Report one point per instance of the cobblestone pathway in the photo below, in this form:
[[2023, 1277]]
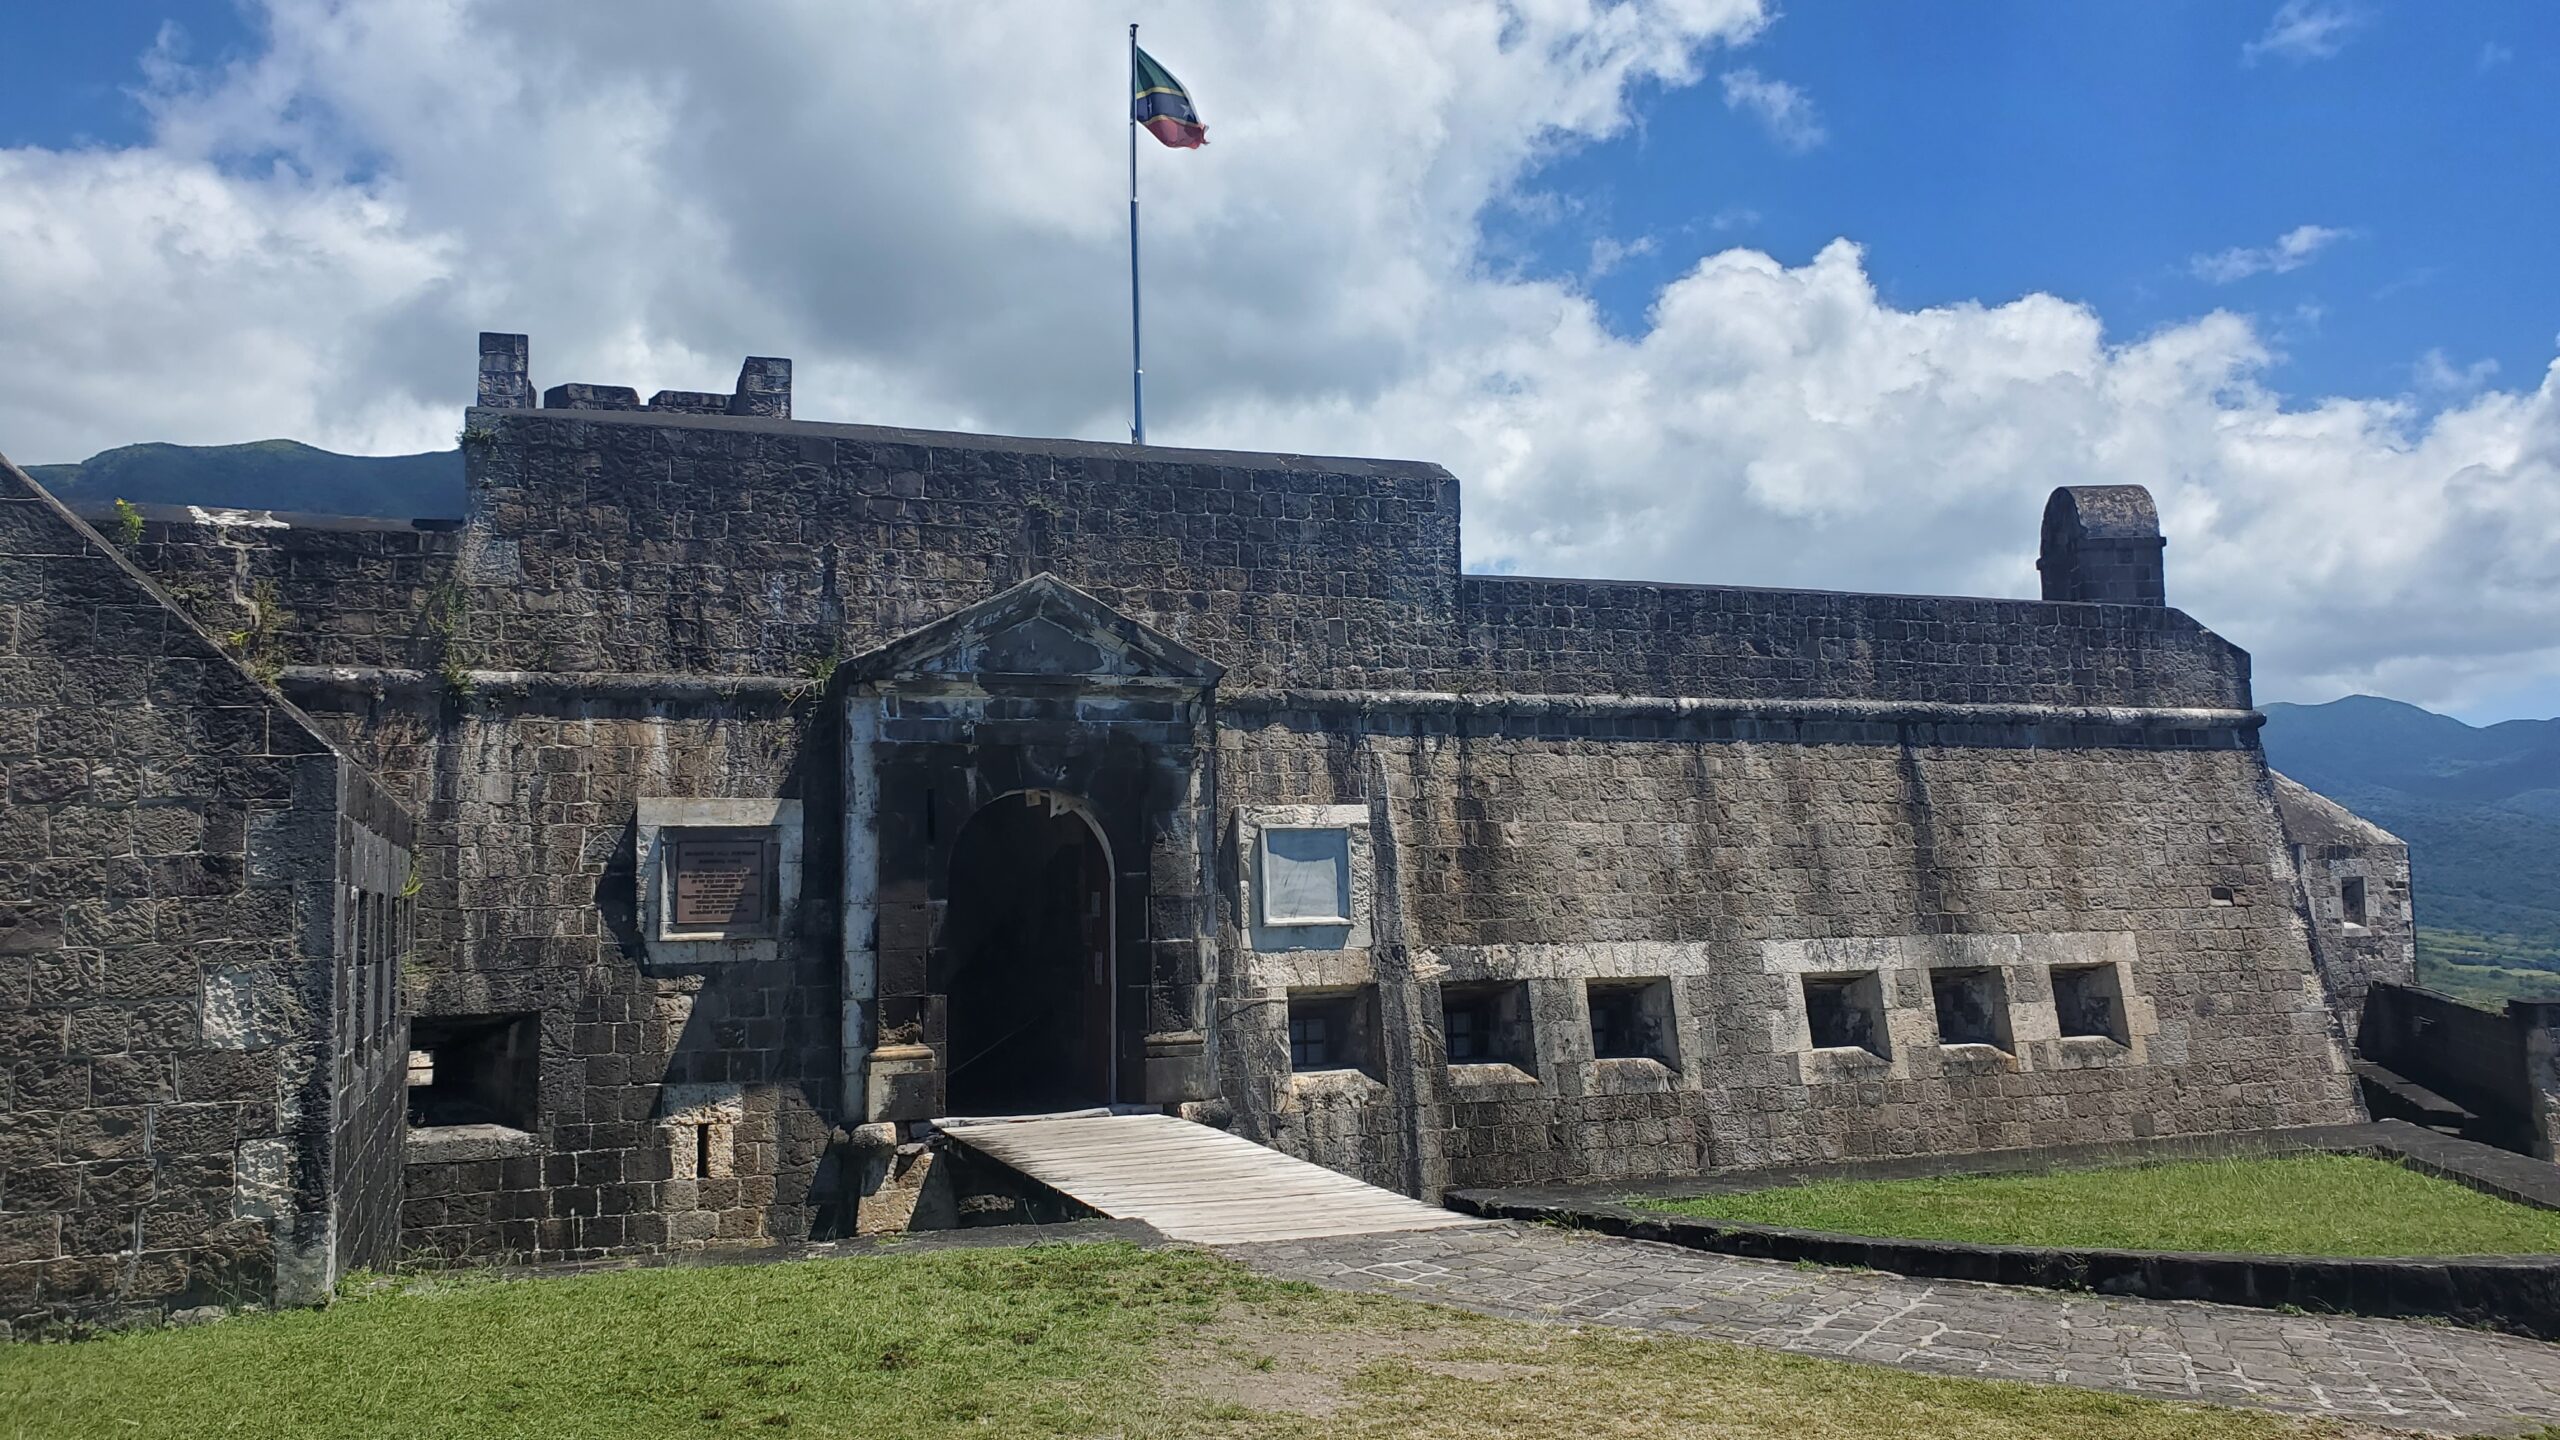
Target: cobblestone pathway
[[2393, 1372]]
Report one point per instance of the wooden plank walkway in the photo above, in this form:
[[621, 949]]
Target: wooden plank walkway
[[1190, 1182]]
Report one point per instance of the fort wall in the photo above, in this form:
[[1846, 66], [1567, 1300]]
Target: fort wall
[[1539, 856], [1635, 878], [199, 950]]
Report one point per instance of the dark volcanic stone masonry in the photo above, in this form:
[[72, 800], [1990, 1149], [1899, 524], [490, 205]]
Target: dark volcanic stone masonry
[[200, 904], [752, 791]]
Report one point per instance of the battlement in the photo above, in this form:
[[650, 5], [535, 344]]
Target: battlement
[[2102, 543], [506, 383]]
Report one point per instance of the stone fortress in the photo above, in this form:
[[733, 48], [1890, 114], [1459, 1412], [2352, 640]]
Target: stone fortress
[[645, 859]]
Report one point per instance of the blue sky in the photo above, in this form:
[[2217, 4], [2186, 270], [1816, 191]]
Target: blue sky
[[2286, 262], [73, 68], [1985, 150]]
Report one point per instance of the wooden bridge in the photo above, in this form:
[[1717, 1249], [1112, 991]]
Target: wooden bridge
[[1190, 1182]]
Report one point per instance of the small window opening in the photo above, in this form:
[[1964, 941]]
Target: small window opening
[[1631, 1020], [1331, 1029], [2351, 899], [1617, 1030], [701, 1149], [1846, 1012], [2088, 1003], [1470, 1028], [480, 1070], [2225, 895], [1487, 1025], [1972, 1006], [1311, 1042]]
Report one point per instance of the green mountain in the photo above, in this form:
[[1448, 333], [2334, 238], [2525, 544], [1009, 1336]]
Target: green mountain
[[2480, 808], [264, 475]]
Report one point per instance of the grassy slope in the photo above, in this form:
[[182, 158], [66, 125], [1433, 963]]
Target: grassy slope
[[1059, 1340], [2299, 1205]]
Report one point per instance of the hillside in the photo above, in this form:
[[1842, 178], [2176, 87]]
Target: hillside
[[2480, 808], [264, 475]]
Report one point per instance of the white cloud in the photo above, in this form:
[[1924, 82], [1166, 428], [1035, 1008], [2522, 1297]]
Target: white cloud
[[1608, 254], [316, 232], [2434, 372], [1786, 112], [1733, 217], [2293, 249], [2493, 55], [2304, 30]]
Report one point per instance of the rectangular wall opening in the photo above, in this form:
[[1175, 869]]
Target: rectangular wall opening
[[1846, 1012], [2088, 1003], [1488, 1024], [475, 1070], [1632, 1020], [1333, 1029], [1972, 1006], [2351, 901]]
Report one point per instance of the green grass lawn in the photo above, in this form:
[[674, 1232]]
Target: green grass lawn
[[1101, 1340], [2297, 1205]]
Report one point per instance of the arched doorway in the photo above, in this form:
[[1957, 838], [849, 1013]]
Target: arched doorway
[[1027, 943]]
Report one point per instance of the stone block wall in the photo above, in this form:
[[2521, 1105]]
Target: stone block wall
[[174, 857], [529, 888], [376, 934], [2355, 888], [647, 604], [1604, 637], [2502, 1067], [1533, 853], [322, 589], [641, 542]]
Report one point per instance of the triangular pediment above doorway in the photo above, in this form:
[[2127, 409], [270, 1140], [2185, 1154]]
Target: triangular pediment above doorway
[[1042, 628]]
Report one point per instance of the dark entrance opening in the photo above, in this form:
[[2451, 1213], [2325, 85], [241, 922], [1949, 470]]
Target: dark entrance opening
[[1027, 939]]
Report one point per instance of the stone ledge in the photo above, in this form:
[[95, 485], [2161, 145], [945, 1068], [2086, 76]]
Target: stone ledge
[[2515, 1293], [455, 1144]]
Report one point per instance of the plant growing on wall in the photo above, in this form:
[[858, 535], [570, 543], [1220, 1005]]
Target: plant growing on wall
[[815, 673], [128, 526], [446, 611], [256, 643]]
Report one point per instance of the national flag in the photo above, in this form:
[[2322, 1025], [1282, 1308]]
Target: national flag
[[1164, 107]]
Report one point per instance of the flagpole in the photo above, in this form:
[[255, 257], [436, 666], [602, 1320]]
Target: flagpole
[[1137, 366]]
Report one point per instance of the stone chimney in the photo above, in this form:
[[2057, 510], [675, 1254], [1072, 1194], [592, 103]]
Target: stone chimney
[[506, 372], [764, 388], [2102, 543]]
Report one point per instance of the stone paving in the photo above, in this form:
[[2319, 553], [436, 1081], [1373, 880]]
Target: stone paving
[[2390, 1372]]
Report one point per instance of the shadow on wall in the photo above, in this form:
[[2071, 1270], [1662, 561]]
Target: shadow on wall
[[2490, 1076]]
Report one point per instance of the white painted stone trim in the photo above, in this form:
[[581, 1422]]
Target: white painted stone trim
[[659, 814], [860, 905], [1901, 964], [1347, 932]]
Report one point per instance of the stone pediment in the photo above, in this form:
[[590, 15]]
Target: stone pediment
[[1043, 628]]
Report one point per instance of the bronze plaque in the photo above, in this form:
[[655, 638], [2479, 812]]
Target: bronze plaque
[[721, 882]]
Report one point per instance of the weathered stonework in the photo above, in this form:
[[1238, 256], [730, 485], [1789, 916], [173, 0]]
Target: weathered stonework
[[2355, 886], [202, 910], [1206, 781]]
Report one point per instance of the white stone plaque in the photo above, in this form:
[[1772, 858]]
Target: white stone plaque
[[1306, 876]]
